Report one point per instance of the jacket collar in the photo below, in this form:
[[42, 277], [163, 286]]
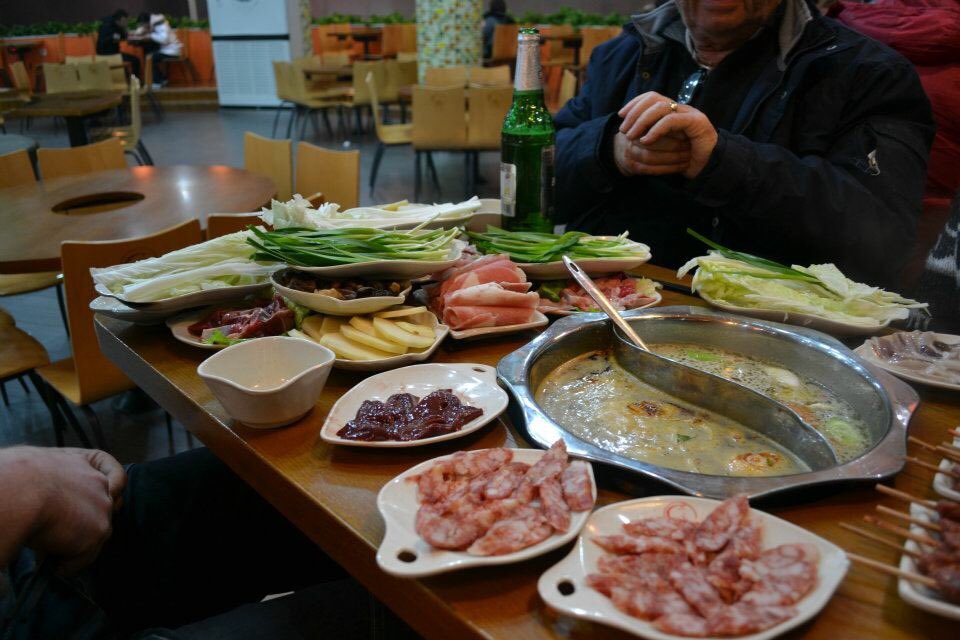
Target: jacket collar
[[665, 23]]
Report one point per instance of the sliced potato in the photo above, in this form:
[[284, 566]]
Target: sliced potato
[[350, 350], [363, 323], [372, 341], [418, 329], [332, 324], [390, 331], [400, 313], [313, 326], [294, 333]]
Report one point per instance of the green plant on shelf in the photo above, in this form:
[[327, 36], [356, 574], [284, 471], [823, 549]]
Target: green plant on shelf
[[84, 28]]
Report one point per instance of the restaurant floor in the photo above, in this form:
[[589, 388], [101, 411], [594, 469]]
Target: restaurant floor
[[198, 137]]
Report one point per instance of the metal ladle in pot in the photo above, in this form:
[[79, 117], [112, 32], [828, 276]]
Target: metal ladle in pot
[[742, 404]]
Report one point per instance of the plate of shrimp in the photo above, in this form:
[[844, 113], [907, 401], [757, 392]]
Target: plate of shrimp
[[483, 507]]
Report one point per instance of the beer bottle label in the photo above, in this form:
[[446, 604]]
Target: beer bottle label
[[508, 189]]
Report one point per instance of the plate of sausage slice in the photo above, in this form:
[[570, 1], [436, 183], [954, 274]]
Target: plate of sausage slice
[[482, 507], [670, 566]]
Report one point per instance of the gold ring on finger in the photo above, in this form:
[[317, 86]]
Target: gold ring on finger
[[673, 106]]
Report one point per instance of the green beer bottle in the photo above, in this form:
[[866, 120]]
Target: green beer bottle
[[527, 146]]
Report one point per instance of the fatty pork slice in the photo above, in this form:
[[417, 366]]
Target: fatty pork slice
[[495, 268], [577, 486], [646, 596], [781, 575], [464, 317], [718, 527]]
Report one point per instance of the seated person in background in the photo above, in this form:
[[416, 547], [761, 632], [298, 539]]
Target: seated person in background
[[940, 281], [759, 123], [497, 14], [113, 30], [88, 550], [168, 46]]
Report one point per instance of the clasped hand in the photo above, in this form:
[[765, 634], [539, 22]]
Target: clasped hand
[[657, 139]]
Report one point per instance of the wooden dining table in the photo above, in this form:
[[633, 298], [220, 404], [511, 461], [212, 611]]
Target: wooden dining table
[[330, 493], [75, 107], [116, 204]]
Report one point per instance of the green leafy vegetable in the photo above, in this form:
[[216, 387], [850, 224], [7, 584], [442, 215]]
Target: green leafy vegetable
[[299, 311], [683, 438], [528, 246], [218, 337], [702, 356], [551, 289]]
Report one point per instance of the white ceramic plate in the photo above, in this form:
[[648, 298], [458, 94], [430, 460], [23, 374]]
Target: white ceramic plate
[[833, 327], [657, 299], [539, 320], [397, 502], [473, 384], [865, 351], [113, 308], [439, 330], [398, 269], [942, 483], [203, 298], [583, 602], [178, 327], [918, 595], [332, 307], [592, 266]]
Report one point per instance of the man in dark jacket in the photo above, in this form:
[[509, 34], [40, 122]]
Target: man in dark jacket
[[113, 30], [760, 124]]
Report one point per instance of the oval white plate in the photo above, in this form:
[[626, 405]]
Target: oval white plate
[[113, 308], [556, 270], [539, 320], [398, 505], [178, 327], [918, 595], [473, 384], [865, 351], [333, 307], [196, 299], [439, 330], [657, 299], [401, 269], [833, 327], [588, 604], [942, 483]]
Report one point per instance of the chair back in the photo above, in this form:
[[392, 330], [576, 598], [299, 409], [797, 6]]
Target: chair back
[[335, 174], [118, 74], [408, 39], [407, 56], [280, 80], [554, 52], [446, 76], [16, 169], [489, 76], [439, 117], [405, 70], [504, 42], [391, 40], [97, 377], [72, 161], [220, 224], [486, 109], [61, 78], [147, 85], [136, 123], [335, 58], [375, 104], [270, 158], [389, 89], [77, 59], [568, 88], [361, 93], [95, 76], [594, 37], [20, 77]]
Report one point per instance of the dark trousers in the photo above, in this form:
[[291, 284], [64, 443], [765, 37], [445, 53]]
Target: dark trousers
[[134, 63], [191, 543], [159, 70]]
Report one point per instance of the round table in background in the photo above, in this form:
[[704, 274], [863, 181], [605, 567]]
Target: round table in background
[[10, 142], [116, 204]]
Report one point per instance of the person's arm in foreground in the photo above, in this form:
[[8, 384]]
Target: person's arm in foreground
[[58, 502]]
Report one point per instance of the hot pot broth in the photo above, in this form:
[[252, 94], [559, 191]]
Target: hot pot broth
[[597, 400], [816, 405]]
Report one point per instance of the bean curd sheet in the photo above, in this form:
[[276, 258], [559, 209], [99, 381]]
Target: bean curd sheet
[[597, 400]]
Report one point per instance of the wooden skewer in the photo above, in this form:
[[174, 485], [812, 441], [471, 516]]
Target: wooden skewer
[[954, 432], [872, 536], [908, 518], [894, 571], [922, 443], [936, 448], [930, 504], [950, 447], [900, 531], [933, 467], [950, 454]]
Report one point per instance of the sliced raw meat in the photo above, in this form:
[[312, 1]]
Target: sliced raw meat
[[445, 531], [505, 480], [742, 618], [495, 268], [782, 575], [637, 544], [724, 570], [640, 565], [717, 528], [473, 463], [476, 317], [644, 597], [672, 528], [524, 528], [689, 625], [555, 508], [492, 294], [692, 584], [577, 486]]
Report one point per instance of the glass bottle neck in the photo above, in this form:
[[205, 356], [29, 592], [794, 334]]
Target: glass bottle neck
[[528, 75]]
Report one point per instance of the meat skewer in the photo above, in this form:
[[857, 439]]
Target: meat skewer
[[879, 539], [894, 571], [941, 449], [954, 432], [909, 535], [933, 467], [906, 516], [903, 495]]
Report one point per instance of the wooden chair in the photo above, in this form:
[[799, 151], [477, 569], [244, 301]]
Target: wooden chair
[[221, 224], [504, 48], [487, 106], [95, 76], [118, 72], [391, 40], [78, 59], [270, 158], [311, 99], [129, 136], [184, 58], [61, 78], [446, 76], [407, 56], [489, 76], [594, 37], [146, 89], [20, 355], [335, 58], [71, 161], [335, 174], [284, 94], [17, 169], [568, 88], [20, 78], [554, 53], [439, 124], [88, 376], [408, 39], [360, 98], [388, 135]]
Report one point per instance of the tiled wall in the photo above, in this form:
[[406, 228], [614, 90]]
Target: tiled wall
[[448, 33]]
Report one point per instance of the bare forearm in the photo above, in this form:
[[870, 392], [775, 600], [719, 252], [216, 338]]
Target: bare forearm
[[20, 500]]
